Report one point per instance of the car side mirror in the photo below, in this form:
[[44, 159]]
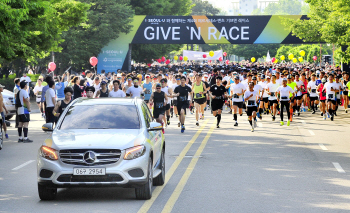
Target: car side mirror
[[155, 126], [48, 127]]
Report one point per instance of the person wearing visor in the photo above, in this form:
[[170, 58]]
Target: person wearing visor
[[135, 90], [159, 99], [147, 90], [103, 92], [182, 93], [284, 93]]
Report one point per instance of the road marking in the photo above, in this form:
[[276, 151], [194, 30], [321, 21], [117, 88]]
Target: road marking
[[322, 146], [311, 132], [23, 165], [260, 124], [338, 167], [148, 204], [180, 186]]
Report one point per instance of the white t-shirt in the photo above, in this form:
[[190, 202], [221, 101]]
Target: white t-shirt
[[134, 92], [227, 78], [263, 85], [312, 86], [39, 90], [26, 78], [330, 94], [299, 84], [235, 89], [23, 109], [252, 100], [285, 92], [279, 81], [117, 94], [50, 93], [272, 88], [338, 86], [258, 88], [174, 86], [91, 82]]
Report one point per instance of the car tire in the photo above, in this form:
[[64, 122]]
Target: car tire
[[160, 179], [1, 140], [145, 192], [8, 117], [46, 193]]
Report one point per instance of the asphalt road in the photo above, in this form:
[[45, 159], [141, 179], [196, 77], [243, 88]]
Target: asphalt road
[[301, 168]]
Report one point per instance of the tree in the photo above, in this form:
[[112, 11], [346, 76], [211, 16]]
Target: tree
[[204, 8], [30, 29], [283, 7], [328, 22], [251, 50], [106, 20]]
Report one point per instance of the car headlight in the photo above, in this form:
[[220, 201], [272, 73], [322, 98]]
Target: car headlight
[[134, 152], [48, 153]]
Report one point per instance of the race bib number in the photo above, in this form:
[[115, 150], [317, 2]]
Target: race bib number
[[198, 95], [323, 93], [182, 98], [148, 91], [218, 97], [251, 103], [235, 96], [330, 96], [272, 94], [313, 90], [159, 105]]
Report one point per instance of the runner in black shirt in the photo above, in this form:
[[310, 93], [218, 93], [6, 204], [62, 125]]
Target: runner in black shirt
[[62, 105], [217, 93], [159, 98], [182, 92]]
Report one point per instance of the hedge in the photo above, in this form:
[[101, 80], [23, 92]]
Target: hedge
[[9, 82]]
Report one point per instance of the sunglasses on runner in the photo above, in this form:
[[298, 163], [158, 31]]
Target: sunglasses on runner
[[178, 79], [158, 88]]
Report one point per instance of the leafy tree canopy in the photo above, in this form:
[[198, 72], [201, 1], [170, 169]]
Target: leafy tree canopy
[[204, 8]]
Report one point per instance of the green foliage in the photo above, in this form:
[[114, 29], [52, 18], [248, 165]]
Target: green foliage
[[251, 50], [283, 7], [29, 29], [329, 23], [106, 20], [204, 8], [9, 82]]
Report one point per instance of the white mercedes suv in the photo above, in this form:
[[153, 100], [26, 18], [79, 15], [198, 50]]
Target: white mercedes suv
[[102, 142]]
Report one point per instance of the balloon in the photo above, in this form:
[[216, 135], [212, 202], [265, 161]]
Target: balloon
[[290, 56], [204, 56], [227, 62], [181, 58], [167, 61], [93, 61], [176, 58], [52, 66], [295, 60], [283, 57], [209, 61], [273, 60], [225, 54], [185, 58], [163, 59], [253, 59], [302, 53], [211, 53], [300, 59], [149, 65], [314, 58], [220, 59], [276, 61], [159, 60]]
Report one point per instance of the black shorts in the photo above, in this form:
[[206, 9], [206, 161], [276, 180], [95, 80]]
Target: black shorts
[[339, 101], [345, 93], [298, 97], [313, 98], [157, 112], [174, 102], [24, 118], [273, 102], [334, 102], [323, 101], [167, 107], [216, 105], [182, 105], [200, 101], [250, 110], [38, 102], [266, 100], [291, 100], [238, 104]]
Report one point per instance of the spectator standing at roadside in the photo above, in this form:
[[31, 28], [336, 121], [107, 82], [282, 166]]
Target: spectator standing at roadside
[[16, 89], [38, 89], [23, 112], [2, 106], [50, 99]]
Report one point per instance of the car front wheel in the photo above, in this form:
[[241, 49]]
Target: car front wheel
[[145, 192], [160, 179], [46, 193]]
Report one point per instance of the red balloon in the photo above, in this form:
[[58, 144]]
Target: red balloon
[[181, 58], [149, 65], [159, 60], [167, 61], [163, 59], [314, 58], [93, 61], [227, 62], [220, 59], [209, 61], [273, 60], [204, 56], [52, 66], [225, 54]]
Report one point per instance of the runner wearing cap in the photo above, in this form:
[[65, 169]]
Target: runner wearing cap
[[147, 90], [182, 93], [312, 88], [217, 93], [251, 96], [237, 91], [330, 88], [169, 93], [271, 89], [90, 91], [284, 92], [116, 92], [103, 92], [159, 98], [323, 98]]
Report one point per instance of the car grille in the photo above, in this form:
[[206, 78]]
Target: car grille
[[90, 178], [102, 156]]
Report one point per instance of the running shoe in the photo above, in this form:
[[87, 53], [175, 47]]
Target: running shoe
[[168, 122], [282, 123], [230, 112], [304, 109], [288, 123], [183, 126], [202, 117], [252, 129], [178, 124], [217, 126], [278, 113], [197, 124], [182, 130], [328, 115], [324, 117], [309, 109], [298, 113], [346, 111], [313, 112], [273, 118], [321, 113], [7, 136], [236, 124], [258, 114], [20, 140], [332, 117], [163, 130], [27, 140], [335, 113], [255, 124]]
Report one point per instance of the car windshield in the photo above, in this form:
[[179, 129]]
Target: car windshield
[[101, 117]]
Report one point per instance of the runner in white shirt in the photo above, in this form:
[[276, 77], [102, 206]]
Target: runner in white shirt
[[264, 96], [311, 86], [284, 92], [260, 90], [330, 88], [251, 96], [135, 90], [271, 88], [237, 91], [116, 92], [339, 87], [299, 96], [168, 91]]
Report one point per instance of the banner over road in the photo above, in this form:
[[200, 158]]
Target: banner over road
[[196, 30]]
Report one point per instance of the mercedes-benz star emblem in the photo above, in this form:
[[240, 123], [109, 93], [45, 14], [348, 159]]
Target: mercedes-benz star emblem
[[89, 157]]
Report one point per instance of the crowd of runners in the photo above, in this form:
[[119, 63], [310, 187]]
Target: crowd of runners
[[258, 90]]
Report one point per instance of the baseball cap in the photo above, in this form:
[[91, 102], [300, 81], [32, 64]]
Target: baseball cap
[[2, 86], [324, 80], [147, 76], [206, 76], [289, 76], [268, 76], [103, 82], [262, 76], [237, 77], [254, 78], [158, 85], [284, 79]]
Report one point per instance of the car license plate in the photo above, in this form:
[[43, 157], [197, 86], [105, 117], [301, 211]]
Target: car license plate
[[89, 171]]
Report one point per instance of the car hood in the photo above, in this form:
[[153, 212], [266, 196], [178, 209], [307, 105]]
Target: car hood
[[95, 139]]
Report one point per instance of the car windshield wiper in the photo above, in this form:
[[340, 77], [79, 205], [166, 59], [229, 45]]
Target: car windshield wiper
[[98, 128]]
